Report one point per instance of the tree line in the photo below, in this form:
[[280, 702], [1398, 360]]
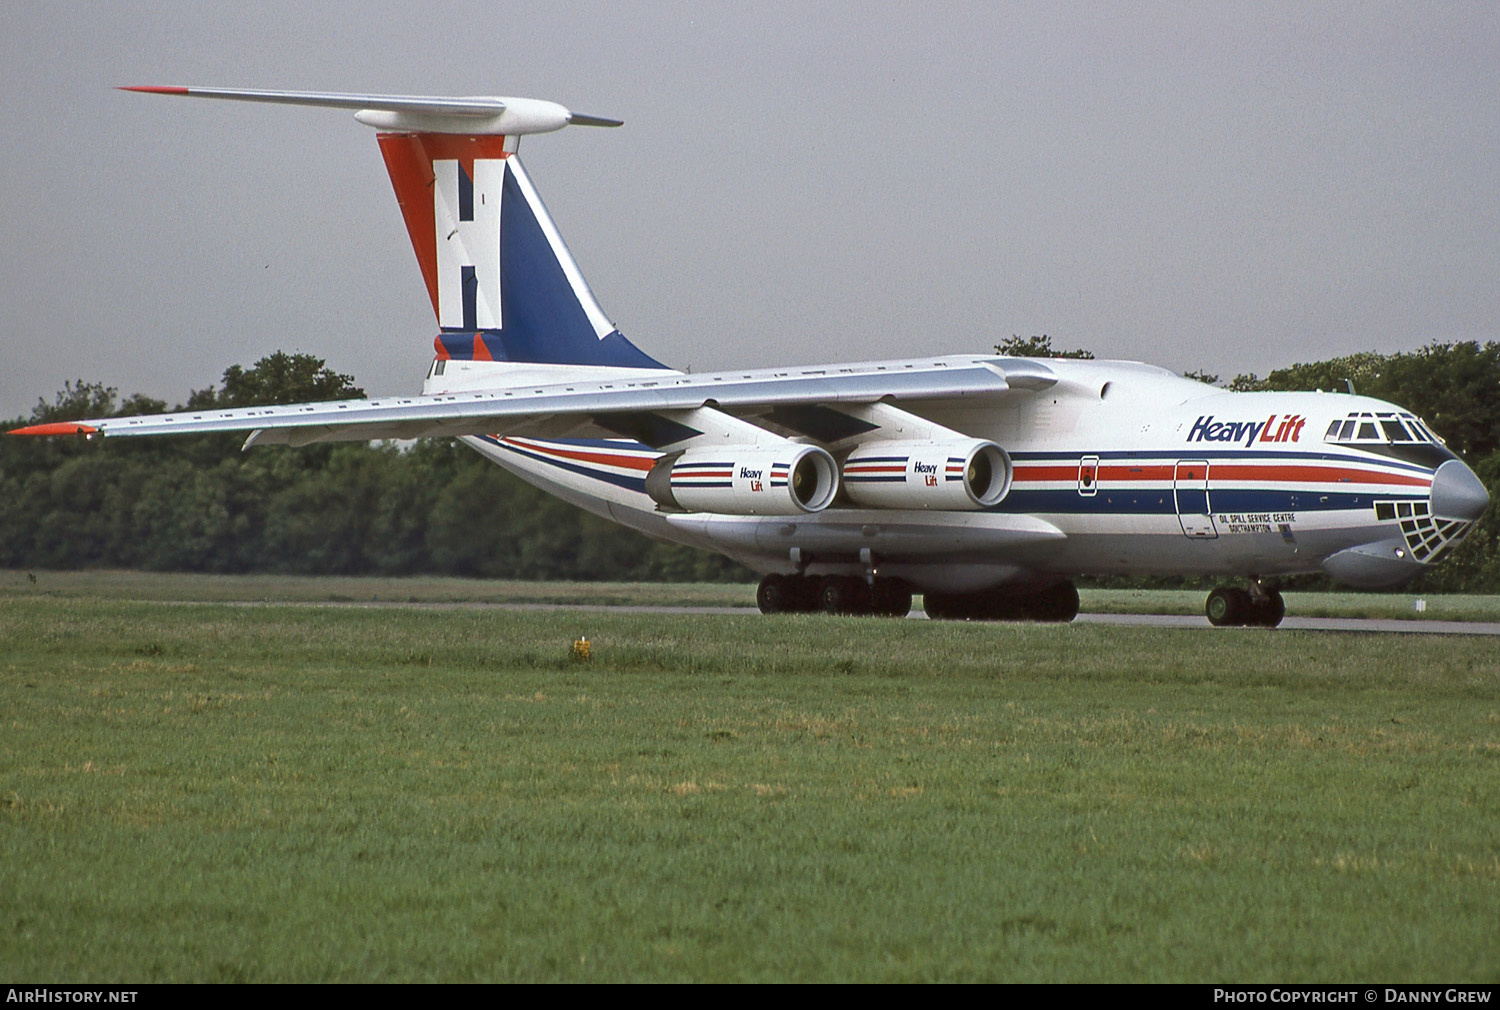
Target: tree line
[[1455, 388], [196, 503]]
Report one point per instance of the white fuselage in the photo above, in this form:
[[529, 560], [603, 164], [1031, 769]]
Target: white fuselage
[[1119, 468]]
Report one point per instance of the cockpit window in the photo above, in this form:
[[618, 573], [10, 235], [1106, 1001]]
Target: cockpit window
[[1395, 432], [1369, 428]]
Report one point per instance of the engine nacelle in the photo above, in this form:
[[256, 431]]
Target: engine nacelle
[[750, 480], [951, 476]]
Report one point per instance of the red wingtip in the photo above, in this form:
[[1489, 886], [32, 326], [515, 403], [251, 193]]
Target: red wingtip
[[154, 89], [56, 428]]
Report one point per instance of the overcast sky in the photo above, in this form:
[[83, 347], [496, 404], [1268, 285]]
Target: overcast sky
[[1221, 187]]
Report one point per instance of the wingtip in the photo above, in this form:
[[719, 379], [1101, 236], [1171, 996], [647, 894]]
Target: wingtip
[[579, 119], [56, 428], [153, 89]]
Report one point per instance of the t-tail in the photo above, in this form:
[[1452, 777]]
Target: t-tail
[[503, 284]]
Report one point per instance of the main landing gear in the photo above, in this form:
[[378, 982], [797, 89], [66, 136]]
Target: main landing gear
[[1057, 603], [833, 594], [847, 594], [1256, 607]]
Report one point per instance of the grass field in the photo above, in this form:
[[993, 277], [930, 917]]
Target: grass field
[[186, 587], [213, 792]]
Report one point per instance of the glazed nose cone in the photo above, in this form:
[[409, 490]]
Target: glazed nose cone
[[1457, 493]]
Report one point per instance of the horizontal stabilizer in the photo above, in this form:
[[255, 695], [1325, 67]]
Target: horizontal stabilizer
[[473, 115], [579, 119], [503, 285]]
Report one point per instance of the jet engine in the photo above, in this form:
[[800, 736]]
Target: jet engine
[[746, 480], [952, 476]]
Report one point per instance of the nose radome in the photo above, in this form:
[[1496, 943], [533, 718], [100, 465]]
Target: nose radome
[[1457, 492]]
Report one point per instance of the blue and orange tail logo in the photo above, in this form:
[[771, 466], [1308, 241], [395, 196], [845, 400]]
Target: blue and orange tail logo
[[503, 285]]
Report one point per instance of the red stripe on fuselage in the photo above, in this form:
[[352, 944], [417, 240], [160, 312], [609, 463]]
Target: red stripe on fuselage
[[1132, 473], [1041, 473], [1299, 473], [1306, 474], [588, 456], [1069, 473]]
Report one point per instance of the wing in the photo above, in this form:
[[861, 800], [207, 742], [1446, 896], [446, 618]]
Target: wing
[[594, 407]]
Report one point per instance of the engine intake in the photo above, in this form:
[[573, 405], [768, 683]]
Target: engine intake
[[752, 480], [952, 476]]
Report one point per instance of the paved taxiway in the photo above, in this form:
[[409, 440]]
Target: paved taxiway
[[1365, 625], [1290, 623]]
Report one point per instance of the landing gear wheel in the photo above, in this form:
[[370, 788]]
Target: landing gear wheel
[[1057, 603], [802, 594], [997, 606], [937, 606], [1228, 607], [1224, 607], [774, 595], [841, 594], [958, 606], [1267, 611], [892, 598]]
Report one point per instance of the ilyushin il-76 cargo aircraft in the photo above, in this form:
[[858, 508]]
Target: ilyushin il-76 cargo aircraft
[[984, 482]]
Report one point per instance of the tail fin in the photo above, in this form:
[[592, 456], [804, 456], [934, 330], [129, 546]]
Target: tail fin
[[502, 283]]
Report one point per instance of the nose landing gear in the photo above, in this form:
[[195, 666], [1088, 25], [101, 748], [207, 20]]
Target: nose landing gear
[[1257, 607]]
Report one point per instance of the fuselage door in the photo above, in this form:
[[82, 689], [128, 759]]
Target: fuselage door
[[1190, 490], [1088, 476]]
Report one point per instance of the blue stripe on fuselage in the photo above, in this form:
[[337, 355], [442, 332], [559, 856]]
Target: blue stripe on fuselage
[[618, 480], [1067, 501], [1161, 502]]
